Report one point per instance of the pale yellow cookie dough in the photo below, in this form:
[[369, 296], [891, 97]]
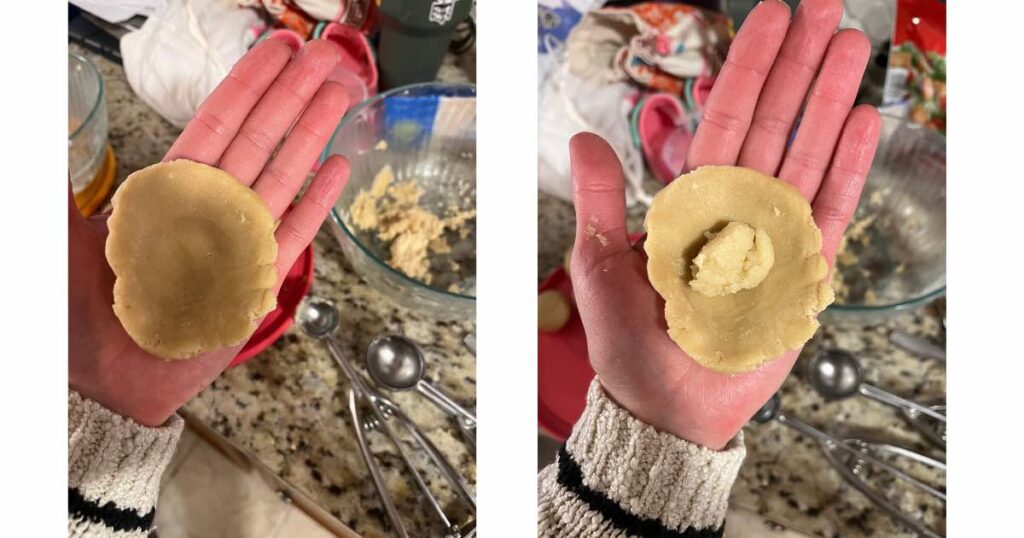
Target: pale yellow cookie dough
[[193, 251], [552, 311], [734, 259], [764, 281], [393, 209]]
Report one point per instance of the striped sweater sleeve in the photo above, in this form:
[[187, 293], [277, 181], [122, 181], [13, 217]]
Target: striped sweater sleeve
[[114, 470], [617, 476]]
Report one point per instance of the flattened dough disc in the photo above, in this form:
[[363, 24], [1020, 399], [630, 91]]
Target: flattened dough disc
[[739, 331], [193, 251]]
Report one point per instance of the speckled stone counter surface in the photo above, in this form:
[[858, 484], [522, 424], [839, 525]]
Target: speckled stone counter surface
[[785, 476], [287, 406]]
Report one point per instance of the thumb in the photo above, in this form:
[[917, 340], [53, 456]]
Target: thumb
[[600, 201]]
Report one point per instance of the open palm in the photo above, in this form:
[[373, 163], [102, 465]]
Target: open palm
[[265, 124], [775, 68]]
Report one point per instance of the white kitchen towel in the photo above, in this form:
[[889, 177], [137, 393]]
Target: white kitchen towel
[[119, 10], [569, 104], [183, 51]]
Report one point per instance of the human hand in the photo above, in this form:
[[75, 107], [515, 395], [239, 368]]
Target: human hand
[[236, 129], [747, 121]]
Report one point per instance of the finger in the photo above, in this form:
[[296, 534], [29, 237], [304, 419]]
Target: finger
[[827, 108], [277, 110], [297, 229], [282, 178], [792, 73], [600, 200], [837, 200], [730, 106], [219, 117]]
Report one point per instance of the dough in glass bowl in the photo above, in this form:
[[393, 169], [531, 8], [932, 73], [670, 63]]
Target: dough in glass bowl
[[193, 251], [767, 279]]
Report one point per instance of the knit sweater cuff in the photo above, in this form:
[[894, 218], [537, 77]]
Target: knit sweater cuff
[[652, 474], [115, 465]]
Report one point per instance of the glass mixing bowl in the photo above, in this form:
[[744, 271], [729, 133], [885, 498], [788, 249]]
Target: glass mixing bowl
[[895, 259], [426, 133], [87, 122]]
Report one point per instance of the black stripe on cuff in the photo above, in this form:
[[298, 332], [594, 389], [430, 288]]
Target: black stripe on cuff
[[570, 477], [119, 519]]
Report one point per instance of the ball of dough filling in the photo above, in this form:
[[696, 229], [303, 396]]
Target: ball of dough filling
[[552, 311], [736, 256], [193, 252]]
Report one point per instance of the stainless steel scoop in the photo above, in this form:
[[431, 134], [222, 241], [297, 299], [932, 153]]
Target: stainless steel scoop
[[849, 456], [319, 318]]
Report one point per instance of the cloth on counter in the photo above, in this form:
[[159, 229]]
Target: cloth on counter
[[324, 10], [655, 45], [610, 59], [555, 19], [569, 104], [287, 14], [119, 10], [183, 51]]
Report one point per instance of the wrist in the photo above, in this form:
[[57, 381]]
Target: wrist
[[670, 484], [114, 462], [713, 434], [146, 413]]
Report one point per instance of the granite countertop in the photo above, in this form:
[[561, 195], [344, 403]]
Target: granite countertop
[[286, 407], [785, 477]]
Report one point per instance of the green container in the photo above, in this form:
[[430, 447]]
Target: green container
[[414, 36]]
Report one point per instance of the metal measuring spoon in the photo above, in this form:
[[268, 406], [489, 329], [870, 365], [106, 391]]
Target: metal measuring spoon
[[397, 363], [836, 374]]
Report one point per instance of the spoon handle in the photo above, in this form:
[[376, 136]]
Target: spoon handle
[[918, 345], [806, 429], [350, 372], [371, 464], [445, 403], [361, 390], [831, 442], [425, 444], [417, 477], [891, 399]]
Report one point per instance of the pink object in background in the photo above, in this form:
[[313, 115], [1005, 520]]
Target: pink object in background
[[357, 69], [664, 135]]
